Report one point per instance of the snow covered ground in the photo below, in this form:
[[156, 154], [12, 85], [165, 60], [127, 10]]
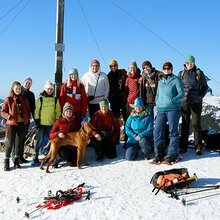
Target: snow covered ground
[[119, 189]]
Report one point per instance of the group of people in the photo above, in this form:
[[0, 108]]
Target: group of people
[[107, 97]]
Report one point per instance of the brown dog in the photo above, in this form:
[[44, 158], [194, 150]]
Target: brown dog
[[78, 139]]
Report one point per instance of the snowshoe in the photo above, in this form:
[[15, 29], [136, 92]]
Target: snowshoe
[[172, 160]]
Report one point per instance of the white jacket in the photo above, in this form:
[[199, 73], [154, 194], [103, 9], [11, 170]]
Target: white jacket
[[89, 80]]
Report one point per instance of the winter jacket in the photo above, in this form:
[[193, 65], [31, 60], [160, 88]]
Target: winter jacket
[[170, 91], [90, 80], [64, 126], [148, 86], [117, 81], [107, 122], [47, 112], [74, 95], [132, 89], [31, 99], [9, 109], [138, 125], [195, 88]]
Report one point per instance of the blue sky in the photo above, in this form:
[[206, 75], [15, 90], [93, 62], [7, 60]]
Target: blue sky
[[27, 45]]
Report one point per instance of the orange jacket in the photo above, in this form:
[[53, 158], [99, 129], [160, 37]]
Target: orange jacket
[[9, 110]]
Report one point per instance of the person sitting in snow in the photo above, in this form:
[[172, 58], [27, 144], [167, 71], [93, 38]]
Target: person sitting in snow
[[68, 123], [139, 128], [106, 132]]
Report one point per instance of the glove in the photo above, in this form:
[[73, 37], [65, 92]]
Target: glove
[[90, 98], [37, 123]]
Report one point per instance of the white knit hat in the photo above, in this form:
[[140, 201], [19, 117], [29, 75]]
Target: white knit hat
[[48, 85]]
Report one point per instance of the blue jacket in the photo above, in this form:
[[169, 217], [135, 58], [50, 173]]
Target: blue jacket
[[138, 125], [170, 91]]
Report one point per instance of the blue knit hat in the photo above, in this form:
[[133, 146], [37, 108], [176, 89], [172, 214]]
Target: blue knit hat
[[138, 102]]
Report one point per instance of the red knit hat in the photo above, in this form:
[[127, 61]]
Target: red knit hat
[[167, 64], [67, 106], [94, 61], [146, 63]]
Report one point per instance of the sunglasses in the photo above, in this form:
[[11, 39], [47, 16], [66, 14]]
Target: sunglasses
[[113, 66], [167, 68], [188, 63], [75, 74]]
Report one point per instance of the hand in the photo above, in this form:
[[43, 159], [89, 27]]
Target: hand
[[61, 135], [37, 123], [98, 137], [3, 121], [138, 138]]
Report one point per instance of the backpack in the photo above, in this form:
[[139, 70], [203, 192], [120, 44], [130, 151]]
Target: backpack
[[41, 102], [169, 179]]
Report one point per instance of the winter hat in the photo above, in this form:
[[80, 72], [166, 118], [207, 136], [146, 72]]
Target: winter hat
[[138, 102], [73, 71], [103, 102], [167, 64], [190, 58], [113, 62], [48, 85], [146, 63], [133, 62], [27, 79], [67, 106], [94, 62]]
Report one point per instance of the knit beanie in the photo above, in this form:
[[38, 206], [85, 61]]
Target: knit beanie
[[133, 62], [27, 79], [73, 71], [190, 58], [48, 85], [103, 102], [167, 64], [94, 62], [113, 62], [138, 102], [146, 63], [67, 106]]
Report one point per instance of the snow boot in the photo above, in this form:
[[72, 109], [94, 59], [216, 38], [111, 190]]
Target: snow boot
[[56, 163], [6, 165], [199, 151], [16, 163], [22, 160], [147, 156], [35, 159]]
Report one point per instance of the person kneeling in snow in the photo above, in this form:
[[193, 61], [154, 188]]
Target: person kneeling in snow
[[139, 128], [68, 123], [106, 132]]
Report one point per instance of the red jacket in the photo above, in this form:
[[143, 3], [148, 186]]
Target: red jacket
[[109, 122], [74, 95], [9, 110], [132, 87], [64, 126]]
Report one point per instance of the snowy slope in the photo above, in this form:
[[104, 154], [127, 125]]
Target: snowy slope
[[119, 189]]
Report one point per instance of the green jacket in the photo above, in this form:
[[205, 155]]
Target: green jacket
[[47, 112]]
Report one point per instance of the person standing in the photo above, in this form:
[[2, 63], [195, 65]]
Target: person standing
[[139, 128], [73, 91], [148, 86], [170, 91], [195, 87], [96, 86], [117, 78], [46, 112], [16, 111]]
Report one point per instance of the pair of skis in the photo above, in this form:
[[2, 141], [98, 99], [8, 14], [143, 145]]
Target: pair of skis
[[60, 199]]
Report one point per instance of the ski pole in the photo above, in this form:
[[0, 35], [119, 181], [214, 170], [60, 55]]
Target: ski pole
[[184, 202]]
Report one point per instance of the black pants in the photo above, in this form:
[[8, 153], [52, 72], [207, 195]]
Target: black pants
[[193, 109], [93, 108], [67, 154], [118, 109], [104, 147], [15, 139]]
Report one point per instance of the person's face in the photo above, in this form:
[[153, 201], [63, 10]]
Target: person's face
[[17, 89], [104, 109], [49, 91], [95, 68], [147, 69], [167, 70], [132, 69], [114, 67], [68, 113], [139, 109], [189, 65], [73, 76], [27, 84]]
